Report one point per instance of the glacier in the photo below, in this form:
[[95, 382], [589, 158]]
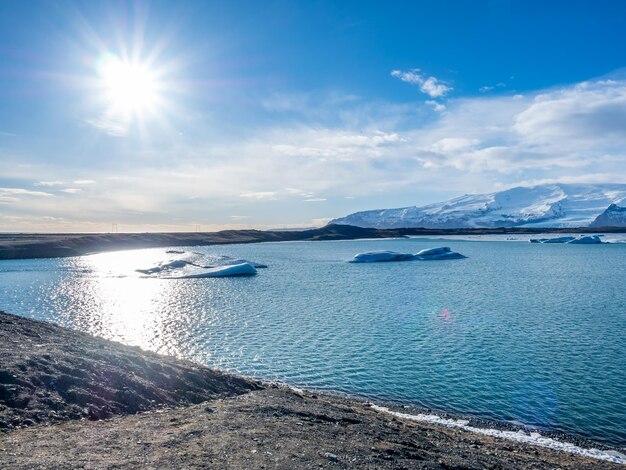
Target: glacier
[[428, 254], [548, 205]]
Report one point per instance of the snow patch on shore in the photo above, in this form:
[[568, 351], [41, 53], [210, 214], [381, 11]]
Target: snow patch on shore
[[533, 438]]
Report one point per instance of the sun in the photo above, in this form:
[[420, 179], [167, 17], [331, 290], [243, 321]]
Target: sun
[[130, 88]]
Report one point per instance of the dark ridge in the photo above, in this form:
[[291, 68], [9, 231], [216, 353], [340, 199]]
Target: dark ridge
[[22, 246]]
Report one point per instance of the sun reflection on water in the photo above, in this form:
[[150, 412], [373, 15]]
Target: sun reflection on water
[[120, 303]]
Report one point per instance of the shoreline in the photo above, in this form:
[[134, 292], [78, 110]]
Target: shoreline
[[345, 428], [55, 245]]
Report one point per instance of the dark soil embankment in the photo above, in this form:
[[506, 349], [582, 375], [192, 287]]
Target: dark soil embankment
[[51, 374]]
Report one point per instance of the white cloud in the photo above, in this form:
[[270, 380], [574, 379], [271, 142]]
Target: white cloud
[[84, 182], [587, 115], [50, 183], [315, 199], [487, 88], [438, 107], [579, 129], [299, 192], [334, 144], [109, 125], [431, 86], [260, 195], [11, 195], [71, 190]]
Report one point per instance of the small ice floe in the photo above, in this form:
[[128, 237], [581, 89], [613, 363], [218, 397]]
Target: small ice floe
[[443, 252], [582, 240], [381, 257], [197, 265], [241, 269], [440, 253]]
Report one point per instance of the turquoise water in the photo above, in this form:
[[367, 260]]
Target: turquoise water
[[520, 332]]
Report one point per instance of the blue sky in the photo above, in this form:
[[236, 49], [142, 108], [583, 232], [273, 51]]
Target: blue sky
[[276, 114]]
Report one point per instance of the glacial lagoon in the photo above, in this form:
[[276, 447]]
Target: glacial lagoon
[[525, 333]]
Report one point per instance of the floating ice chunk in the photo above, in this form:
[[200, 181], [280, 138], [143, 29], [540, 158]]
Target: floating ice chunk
[[174, 264], [582, 240], [559, 240], [586, 240], [230, 262], [424, 255], [381, 257], [198, 265], [443, 252], [241, 269]]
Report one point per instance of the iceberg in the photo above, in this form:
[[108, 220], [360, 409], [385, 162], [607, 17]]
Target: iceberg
[[381, 257], [198, 265], [428, 254], [582, 240], [241, 269], [587, 240], [559, 240], [443, 252]]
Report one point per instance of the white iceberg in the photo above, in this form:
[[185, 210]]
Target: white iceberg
[[198, 265], [587, 240], [559, 240], [381, 257], [241, 269], [443, 252], [424, 255], [581, 240]]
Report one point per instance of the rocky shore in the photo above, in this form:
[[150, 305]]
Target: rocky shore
[[69, 400]]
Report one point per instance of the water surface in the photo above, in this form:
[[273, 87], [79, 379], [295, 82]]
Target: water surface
[[517, 331]]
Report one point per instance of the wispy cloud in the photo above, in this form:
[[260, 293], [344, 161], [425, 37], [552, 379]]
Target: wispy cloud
[[487, 88], [11, 195], [109, 125], [260, 195], [71, 190], [429, 85], [50, 183], [299, 192], [438, 107]]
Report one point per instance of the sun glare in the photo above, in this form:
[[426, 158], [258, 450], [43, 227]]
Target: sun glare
[[130, 88]]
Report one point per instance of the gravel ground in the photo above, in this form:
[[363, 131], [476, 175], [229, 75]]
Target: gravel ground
[[162, 413]]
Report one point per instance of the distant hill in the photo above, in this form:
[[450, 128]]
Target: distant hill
[[550, 205], [614, 216]]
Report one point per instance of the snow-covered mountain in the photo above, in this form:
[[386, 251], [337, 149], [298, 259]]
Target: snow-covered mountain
[[614, 216], [549, 205]]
